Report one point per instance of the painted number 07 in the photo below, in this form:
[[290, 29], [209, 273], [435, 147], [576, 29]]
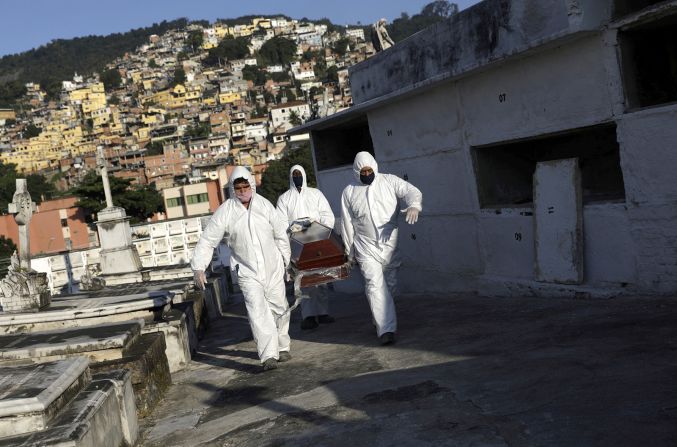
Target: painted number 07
[[502, 97]]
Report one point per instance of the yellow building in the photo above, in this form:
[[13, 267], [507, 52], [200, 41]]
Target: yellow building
[[262, 23], [221, 31], [241, 30], [7, 114], [142, 133], [229, 98], [148, 84], [193, 94], [172, 98]]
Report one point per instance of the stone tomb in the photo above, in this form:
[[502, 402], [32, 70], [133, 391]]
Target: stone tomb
[[98, 343], [76, 311], [31, 395], [61, 403]]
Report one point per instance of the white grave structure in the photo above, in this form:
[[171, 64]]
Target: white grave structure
[[23, 289], [118, 254]]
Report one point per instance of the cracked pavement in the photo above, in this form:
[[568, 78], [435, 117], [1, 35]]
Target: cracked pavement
[[466, 371]]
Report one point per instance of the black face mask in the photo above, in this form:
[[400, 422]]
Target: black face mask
[[298, 181], [367, 179]]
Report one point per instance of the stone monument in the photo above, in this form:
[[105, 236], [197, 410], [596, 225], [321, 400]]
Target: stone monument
[[380, 37], [23, 289], [118, 254]]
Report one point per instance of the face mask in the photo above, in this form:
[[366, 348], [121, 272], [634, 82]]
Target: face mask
[[298, 181], [367, 179], [244, 196]]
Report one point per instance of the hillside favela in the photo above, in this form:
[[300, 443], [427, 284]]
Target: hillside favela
[[358, 224]]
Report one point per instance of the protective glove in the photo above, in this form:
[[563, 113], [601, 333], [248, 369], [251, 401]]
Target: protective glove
[[295, 228], [200, 279], [288, 273], [411, 215]]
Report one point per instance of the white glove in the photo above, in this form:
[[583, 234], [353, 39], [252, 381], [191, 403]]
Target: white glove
[[200, 279], [295, 228], [411, 216], [288, 273]]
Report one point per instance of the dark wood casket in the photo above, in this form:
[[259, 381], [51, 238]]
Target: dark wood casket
[[317, 255]]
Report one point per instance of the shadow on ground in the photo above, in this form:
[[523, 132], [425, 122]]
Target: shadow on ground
[[466, 370]]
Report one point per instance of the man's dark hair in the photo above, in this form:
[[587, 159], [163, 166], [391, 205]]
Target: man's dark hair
[[240, 180]]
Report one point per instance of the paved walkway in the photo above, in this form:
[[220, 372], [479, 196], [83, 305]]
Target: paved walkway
[[466, 371]]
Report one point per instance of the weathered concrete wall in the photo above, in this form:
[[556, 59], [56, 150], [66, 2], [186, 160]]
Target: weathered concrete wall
[[563, 88], [554, 67], [649, 158], [491, 30]]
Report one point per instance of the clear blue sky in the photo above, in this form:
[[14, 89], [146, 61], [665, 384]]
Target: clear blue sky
[[26, 24]]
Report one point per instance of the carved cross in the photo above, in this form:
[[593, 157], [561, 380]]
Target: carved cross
[[22, 207]]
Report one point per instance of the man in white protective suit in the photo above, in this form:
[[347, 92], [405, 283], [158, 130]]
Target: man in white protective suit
[[256, 234], [369, 211], [302, 201]]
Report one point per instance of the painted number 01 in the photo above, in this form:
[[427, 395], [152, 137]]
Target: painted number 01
[[502, 98]]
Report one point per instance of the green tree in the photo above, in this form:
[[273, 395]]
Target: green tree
[[32, 131], [195, 40], [152, 63], [111, 79], [154, 148], [431, 13], [7, 247], [294, 118], [285, 93], [141, 202], [200, 130], [50, 64], [38, 186], [179, 76], [341, 46], [331, 74], [11, 92], [228, 49], [277, 51], [440, 8], [282, 76], [275, 179], [255, 74], [114, 100]]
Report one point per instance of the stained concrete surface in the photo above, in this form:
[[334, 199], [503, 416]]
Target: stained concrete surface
[[465, 371]]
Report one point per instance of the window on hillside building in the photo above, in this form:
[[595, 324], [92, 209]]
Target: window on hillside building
[[197, 198], [174, 202]]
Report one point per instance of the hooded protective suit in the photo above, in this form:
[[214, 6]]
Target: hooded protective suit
[[260, 251], [309, 202], [369, 230]]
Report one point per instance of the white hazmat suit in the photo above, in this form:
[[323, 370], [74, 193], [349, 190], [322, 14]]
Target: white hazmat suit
[[311, 203], [369, 229], [260, 252]]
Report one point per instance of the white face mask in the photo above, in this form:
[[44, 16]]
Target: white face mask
[[244, 196]]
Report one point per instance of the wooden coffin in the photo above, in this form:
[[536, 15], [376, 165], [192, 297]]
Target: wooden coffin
[[316, 247]]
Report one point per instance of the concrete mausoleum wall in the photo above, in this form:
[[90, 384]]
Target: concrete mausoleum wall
[[545, 69]]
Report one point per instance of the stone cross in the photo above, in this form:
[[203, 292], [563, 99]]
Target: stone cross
[[101, 163], [22, 207]]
